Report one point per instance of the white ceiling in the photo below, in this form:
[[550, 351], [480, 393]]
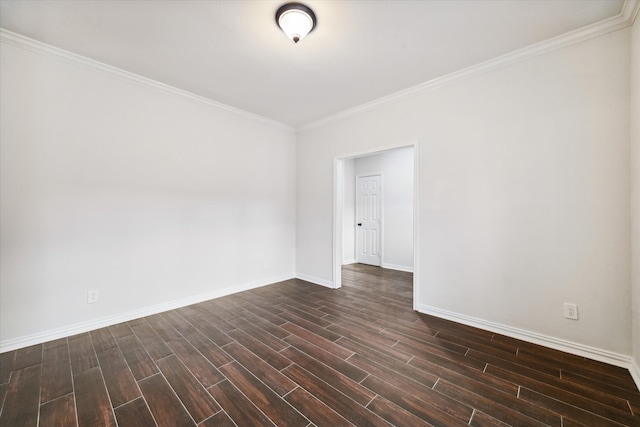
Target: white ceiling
[[233, 52]]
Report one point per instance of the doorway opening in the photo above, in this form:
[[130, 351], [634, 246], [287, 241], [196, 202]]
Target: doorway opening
[[394, 230]]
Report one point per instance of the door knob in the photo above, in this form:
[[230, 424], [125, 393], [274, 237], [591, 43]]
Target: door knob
[[359, 224]]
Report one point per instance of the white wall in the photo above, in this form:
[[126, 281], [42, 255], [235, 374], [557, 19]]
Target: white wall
[[635, 192], [396, 167], [148, 197], [523, 194]]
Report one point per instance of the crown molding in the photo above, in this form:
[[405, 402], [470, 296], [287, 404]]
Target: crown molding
[[35, 46], [624, 19], [630, 8]]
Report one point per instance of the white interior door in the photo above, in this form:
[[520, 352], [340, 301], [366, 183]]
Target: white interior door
[[368, 221]]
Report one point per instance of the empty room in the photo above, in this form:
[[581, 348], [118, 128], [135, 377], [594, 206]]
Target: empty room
[[327, 213]]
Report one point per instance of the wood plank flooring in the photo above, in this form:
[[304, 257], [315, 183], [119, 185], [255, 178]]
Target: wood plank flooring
[[297, 354]]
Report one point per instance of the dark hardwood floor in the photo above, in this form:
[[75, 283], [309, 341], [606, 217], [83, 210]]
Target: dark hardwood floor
[[297, 354]]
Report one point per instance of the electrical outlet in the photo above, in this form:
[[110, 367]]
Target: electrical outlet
[[92, 296], [570, 311]]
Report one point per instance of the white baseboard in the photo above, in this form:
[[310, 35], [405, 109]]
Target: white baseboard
[[54, 334], [383, 265], [634, 370], [315, 280], [536, 338], [397, 267]]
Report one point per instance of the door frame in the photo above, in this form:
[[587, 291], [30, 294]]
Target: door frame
[[338, 208]]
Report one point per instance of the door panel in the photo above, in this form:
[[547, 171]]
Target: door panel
[[368, 208]]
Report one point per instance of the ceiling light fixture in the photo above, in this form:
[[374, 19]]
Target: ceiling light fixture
[[296, 20]]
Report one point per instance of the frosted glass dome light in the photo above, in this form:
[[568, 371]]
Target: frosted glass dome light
[[296, 20]]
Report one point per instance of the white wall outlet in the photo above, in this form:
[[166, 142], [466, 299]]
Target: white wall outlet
[[570, 311], [92, 296]]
